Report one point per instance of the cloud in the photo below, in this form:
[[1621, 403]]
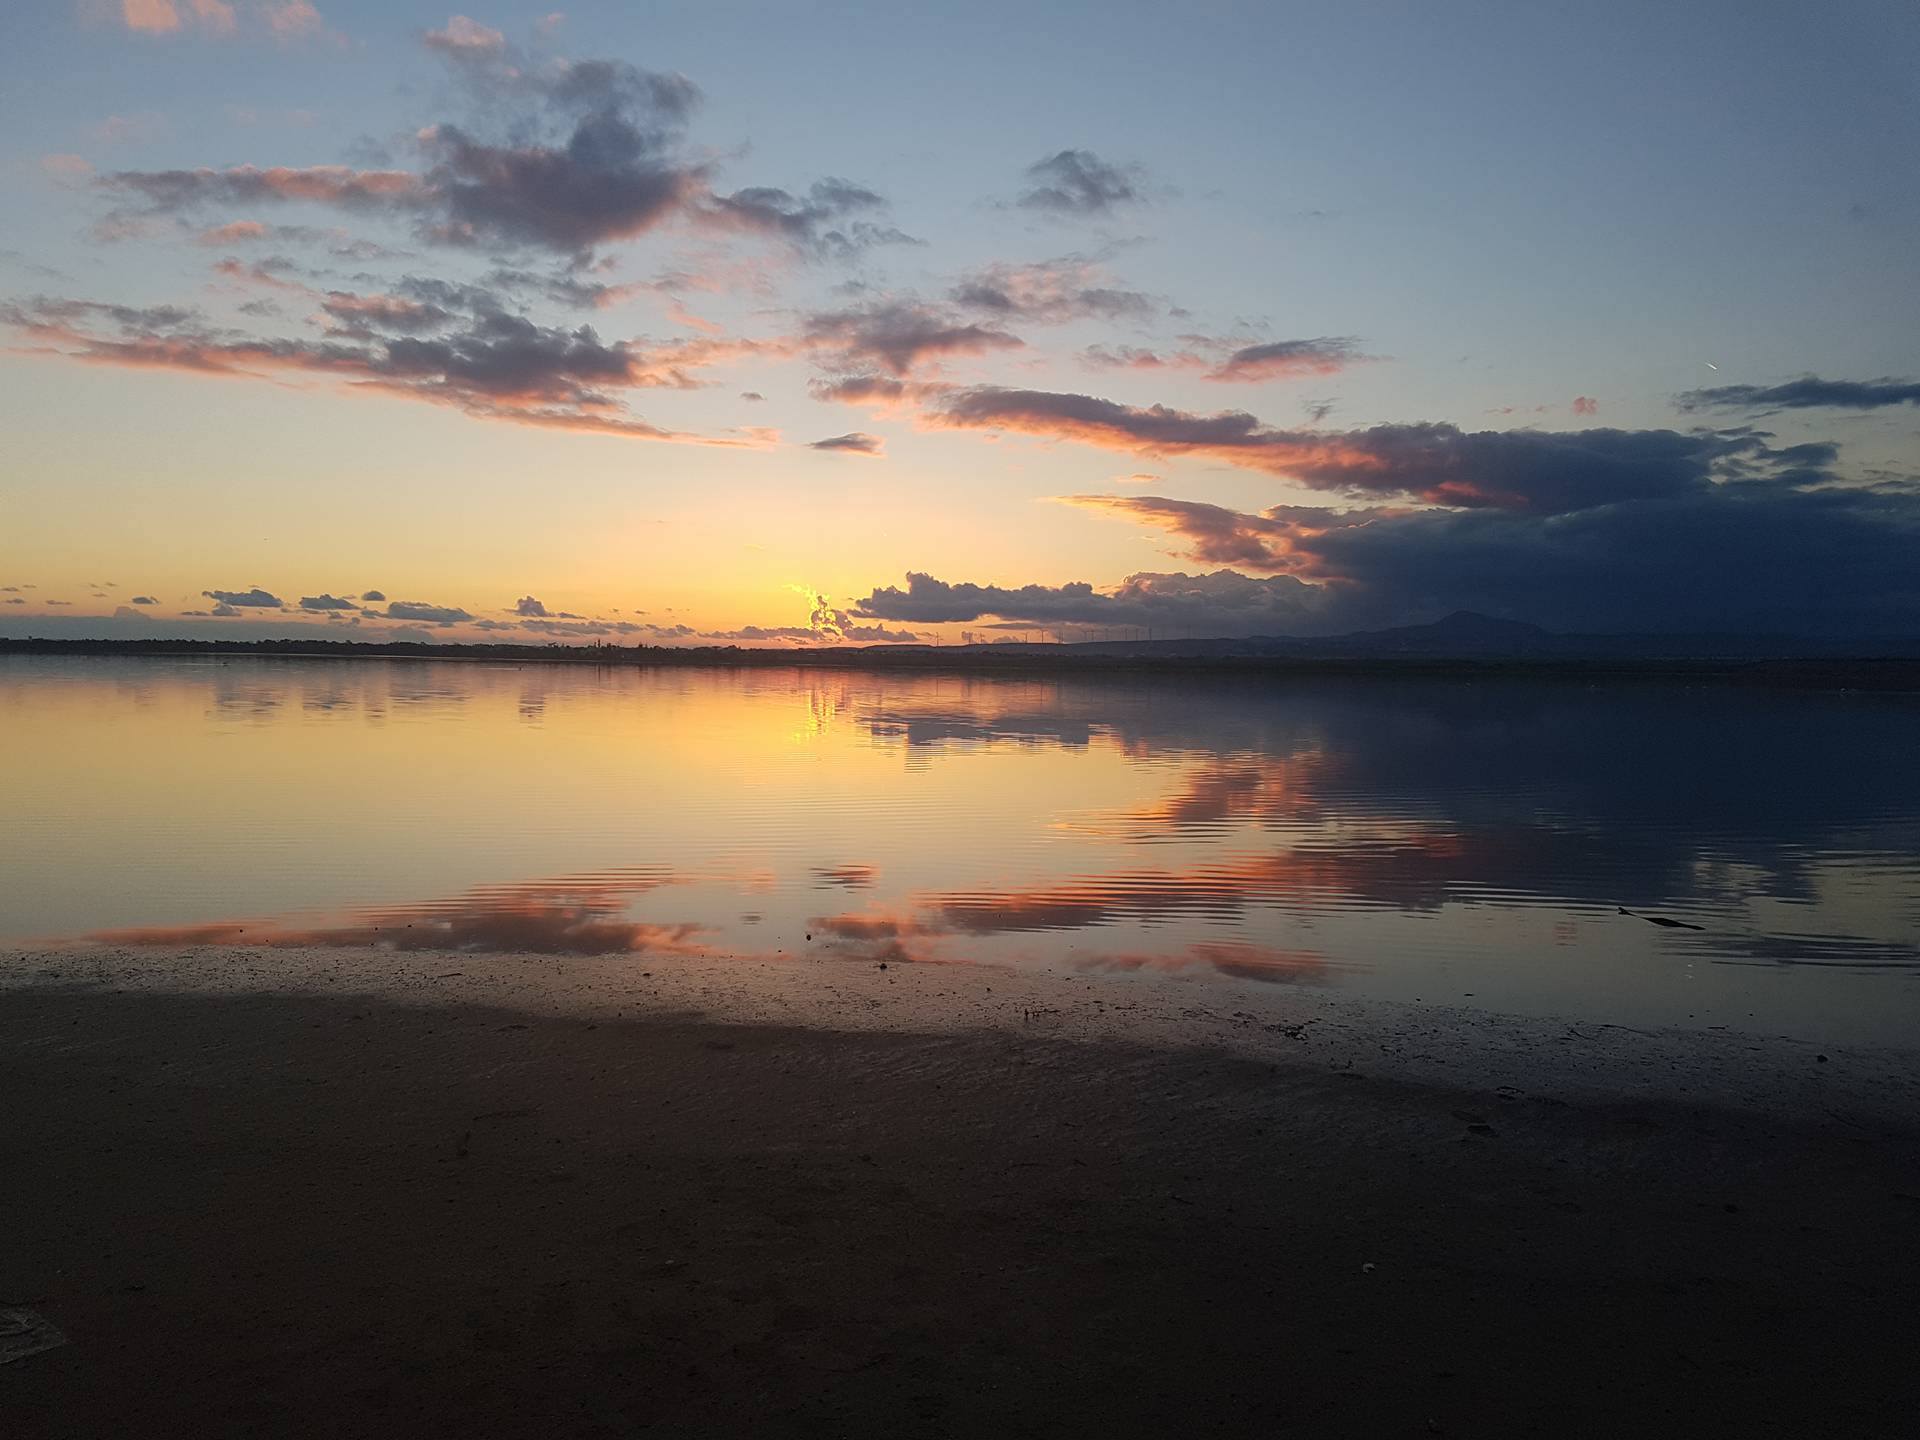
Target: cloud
[[365, 316], [587, 154], [1079, 183], [899, 335], [143, 600], [1215, 534], [373, 191], [326, 602], [817, 224], [154, 16], [1543, 471], [462, 37], [1227, 361], [1585, 405], [290, 19], [1782, 547], [1288, 359], [1222, 603], [420, 610], [284, 20], [1808, 392], [564, 155], [374, 596], [752, 396], [857, 442], [609, 180], [254, 599], [490, 365], [527, 605], [1050, 292], [857, 389], [338, 243]]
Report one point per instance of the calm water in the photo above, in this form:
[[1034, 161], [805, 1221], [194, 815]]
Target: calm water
[[1424, 840]]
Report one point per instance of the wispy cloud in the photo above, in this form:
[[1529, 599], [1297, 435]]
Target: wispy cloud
[[1807, 393], [1078, 183]]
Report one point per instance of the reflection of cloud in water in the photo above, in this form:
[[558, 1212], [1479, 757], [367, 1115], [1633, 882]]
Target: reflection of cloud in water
[[1844, 952], [851, 877], [881, 934], [1240, 959], [580, 916]]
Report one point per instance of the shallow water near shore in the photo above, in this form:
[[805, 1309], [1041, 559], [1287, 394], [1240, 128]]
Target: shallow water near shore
[[1645, 854]]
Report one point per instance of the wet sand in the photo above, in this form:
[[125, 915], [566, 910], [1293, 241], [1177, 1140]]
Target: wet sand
[[349, 1192]]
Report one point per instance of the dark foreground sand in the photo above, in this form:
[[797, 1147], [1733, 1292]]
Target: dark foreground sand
[[354, 1193]]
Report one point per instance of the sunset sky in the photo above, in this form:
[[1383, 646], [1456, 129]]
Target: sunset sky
[[861, 322]]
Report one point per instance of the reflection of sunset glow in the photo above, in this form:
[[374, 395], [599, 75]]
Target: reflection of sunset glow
[[567, 917], [1359, 836]]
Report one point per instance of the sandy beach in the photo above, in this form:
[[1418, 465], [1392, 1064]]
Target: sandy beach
[[355, 1192]]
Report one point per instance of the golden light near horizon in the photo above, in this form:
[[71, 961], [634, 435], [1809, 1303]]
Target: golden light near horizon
[[709, 357]]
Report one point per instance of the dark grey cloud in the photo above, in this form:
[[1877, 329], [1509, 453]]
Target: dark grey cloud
[[1213, 533], [374, 596], [559, 155], [365, 316], [325, 602], [1789, 552], [1807, 393], [1222, 603], [1280, 359], [752, 396], [1079, 183], [43, 311], [1234, 361], [143, 600], [900, 335], [1542, 471], [431, 614], [1049, 292], [857, 389], [610, 179], [857, 442], [254, 599], [818, 223], [492, 364], [529, 608]]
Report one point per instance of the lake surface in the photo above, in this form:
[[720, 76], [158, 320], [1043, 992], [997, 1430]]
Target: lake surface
[[1447, 842]]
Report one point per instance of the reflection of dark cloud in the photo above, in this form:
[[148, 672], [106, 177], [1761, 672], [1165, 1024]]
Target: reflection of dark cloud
[[1840, 952], [1416, 795], [851, 877]]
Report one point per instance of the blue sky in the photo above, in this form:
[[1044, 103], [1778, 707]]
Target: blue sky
[[1516, 220]]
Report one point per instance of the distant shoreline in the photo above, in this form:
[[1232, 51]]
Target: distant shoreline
[[1808, 672]]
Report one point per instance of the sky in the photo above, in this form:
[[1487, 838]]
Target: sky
[[862, 323]]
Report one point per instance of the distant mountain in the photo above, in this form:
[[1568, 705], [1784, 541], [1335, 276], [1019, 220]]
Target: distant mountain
[[1468, 635], [1462, 633]]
